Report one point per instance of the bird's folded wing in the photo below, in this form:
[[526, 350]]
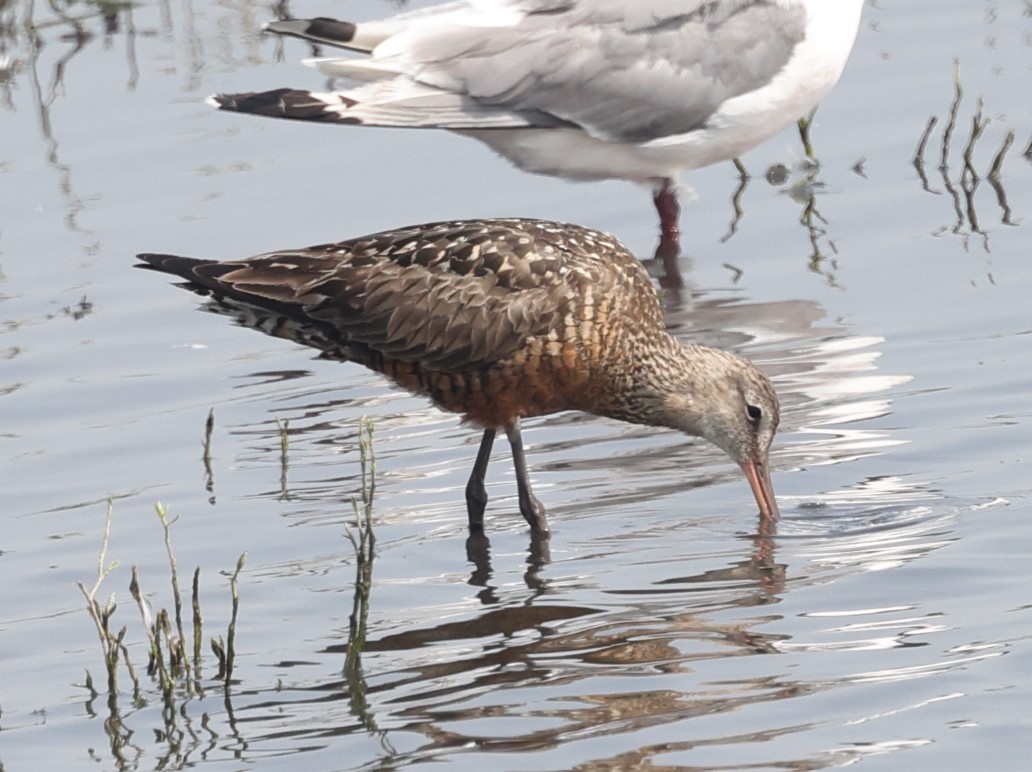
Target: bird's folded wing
[[623, 71], [449, 295]]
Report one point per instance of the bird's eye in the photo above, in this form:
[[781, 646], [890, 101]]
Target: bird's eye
[[754, 412]]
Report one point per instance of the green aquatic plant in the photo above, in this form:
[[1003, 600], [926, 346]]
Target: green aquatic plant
[[169, 661], [364, 545]]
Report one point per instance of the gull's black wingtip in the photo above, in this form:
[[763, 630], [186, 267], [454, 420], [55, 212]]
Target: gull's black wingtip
[[318, 30], [292, 103], [254, 102]]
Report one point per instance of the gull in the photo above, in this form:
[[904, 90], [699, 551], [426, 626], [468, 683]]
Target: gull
[[638, 90]]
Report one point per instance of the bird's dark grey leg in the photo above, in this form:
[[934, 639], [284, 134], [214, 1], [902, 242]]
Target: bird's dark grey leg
[[476, 493], [669, 249], [531, 509]]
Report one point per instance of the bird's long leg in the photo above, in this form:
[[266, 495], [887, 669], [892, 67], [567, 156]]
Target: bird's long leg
[[531, 509], [669, 249], [476, 493]]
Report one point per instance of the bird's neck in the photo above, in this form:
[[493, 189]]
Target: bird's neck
[[638, 384]]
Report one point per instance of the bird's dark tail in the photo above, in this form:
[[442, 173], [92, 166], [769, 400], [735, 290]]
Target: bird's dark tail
[[174, 264], [199, 273], [281, 320]]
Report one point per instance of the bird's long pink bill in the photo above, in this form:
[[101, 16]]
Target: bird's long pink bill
[[757, 472]]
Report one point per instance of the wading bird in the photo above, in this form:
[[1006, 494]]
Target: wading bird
[[500, 320]]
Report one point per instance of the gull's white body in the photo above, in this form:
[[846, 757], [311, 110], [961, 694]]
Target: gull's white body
[[639, 90], [407, 70]]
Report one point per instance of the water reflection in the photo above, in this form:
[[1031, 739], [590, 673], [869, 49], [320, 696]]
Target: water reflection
[[528, 678], [802, 184], [961, 189], [31, 33], [539, 670], [463, 696], [541, 674]]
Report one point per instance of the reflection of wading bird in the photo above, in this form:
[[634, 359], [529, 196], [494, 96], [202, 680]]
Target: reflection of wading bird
[[584, 89], [502, 319]]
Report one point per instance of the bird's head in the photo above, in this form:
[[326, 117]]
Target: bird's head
[[732, 403]]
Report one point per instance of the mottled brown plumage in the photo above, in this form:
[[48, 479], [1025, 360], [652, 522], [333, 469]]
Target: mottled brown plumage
[[501, 320]]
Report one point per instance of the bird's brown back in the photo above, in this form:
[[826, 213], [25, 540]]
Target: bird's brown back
[[496, 319]]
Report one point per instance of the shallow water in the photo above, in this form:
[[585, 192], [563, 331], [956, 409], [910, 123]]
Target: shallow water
[[660, 630]]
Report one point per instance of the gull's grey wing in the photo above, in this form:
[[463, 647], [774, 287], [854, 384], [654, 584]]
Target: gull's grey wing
[[626, 70]]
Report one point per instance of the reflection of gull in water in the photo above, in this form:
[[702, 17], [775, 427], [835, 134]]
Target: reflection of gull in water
[[583, 89]]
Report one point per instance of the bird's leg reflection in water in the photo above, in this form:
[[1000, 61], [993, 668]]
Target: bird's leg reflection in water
[[759, 566], [478, 553], [538, 556]]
